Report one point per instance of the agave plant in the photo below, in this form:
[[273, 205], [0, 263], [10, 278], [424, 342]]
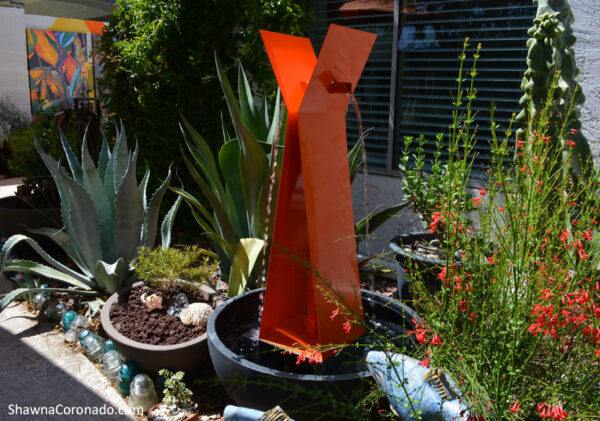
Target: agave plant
[[243, 182], [238, 187], [106, 217]]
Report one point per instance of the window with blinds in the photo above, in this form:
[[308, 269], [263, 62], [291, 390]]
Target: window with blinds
[[430, 38], [419, 48], [373, 89]]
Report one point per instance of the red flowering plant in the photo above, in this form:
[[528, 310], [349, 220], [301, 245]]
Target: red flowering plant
[[520, 329], [438, 190]]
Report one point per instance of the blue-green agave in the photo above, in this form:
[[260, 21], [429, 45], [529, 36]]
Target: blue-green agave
[[106, 217]]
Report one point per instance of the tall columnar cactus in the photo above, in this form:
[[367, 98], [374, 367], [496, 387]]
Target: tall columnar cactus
[[551, 68]]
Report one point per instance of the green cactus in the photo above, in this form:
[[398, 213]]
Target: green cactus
[[106, 217], [551, 68]]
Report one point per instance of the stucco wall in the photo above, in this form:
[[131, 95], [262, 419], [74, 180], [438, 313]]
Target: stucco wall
[[587, 55], [386, 191], [14, 81]]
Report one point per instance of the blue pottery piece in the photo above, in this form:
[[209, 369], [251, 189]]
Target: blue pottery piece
[[67, 318], [83, 334], [413, 389], [109, 346], [128, 371], [238, 413]]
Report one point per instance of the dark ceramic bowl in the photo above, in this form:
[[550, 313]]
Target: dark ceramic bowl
[[189, 356], [302, 396]]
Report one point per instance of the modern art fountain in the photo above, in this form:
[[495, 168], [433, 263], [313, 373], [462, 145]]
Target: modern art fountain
[[313, 265]]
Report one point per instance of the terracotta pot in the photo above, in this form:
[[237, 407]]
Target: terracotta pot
[[189, 356], [190, 418]]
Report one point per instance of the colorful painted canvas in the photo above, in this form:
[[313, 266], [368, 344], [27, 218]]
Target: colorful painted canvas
[[59, 69]]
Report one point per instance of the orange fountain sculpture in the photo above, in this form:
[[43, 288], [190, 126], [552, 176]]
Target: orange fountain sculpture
[[313, 255]]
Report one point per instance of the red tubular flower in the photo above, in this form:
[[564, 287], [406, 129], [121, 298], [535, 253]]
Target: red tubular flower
[[476, 201], [347, 327], [437, 218], [436, 340], [554, 412], [515, 408], [442, 275], [424, 363]]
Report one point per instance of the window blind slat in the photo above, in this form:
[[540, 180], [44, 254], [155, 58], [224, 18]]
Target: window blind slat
[[429, 42]]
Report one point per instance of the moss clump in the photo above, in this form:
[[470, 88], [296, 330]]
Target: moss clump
[[190, 267]]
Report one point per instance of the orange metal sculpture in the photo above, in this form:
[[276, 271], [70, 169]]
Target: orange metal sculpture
[[313, 256]]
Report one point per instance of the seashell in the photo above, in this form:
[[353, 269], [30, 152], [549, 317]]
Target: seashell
[[196, 314], [151, 301]]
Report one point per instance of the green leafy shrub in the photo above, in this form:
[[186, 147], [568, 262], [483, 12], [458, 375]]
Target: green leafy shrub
[[11, 119], [192, 264], [25, 161], [158, 62]]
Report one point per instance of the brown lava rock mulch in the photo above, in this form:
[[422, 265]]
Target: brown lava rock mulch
[[133, 319]]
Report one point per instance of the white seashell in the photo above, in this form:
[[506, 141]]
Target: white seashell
[[151, 301], [196, 314]]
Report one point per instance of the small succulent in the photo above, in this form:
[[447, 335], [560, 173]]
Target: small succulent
[[176, 394], [189, 267]]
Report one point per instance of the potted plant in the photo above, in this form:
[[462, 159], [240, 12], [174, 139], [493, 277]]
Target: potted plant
[[177, 402], [161, 320], [440, 195]]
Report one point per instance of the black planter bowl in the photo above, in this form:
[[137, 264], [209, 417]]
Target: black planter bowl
[[259, 376], [188, 356], [429, 267]]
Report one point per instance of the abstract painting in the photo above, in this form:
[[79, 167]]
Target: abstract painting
[[59, 69]]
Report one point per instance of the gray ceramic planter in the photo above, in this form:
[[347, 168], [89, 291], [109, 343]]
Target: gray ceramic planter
[[189, 356], [264, 384]]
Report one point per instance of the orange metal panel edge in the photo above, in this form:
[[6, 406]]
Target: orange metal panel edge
[[286, 298], [324, 156]]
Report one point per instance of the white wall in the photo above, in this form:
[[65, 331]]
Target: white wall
[[14, 81], [587, 55]]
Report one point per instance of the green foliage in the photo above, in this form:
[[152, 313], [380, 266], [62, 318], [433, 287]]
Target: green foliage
[[24, 280], [551, 62], [444, 186], [191, 264], [238, 189], [106, 217], [11, 118], [157, 58], [176, 394], [25, 160]]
